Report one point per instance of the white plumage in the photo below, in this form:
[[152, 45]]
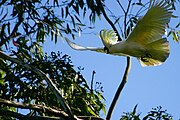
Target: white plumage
[[145, 42]]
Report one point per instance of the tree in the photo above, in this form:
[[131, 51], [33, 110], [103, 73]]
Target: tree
[[48, 85]]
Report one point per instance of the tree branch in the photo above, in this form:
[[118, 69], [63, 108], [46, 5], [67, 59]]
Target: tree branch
[[125, 19], [107, 19], [119, 90], [90, 118], [121, 6], [19, 116], [61, 114], [43, 76], [126, 73], [34, 107]]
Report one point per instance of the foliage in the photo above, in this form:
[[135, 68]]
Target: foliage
[[23, 85], [131, 115], [25, 25], [155, 114], [36, 19], [158, 114]]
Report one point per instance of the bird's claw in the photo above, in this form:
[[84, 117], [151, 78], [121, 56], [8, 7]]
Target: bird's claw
[[106, 50], [145, 57]]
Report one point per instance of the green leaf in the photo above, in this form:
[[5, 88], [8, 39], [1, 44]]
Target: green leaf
[[140, 4], [79, 31], [9, 27], [91, 111], [76, 8], [61, 36], [56, 3], [178, 25], [175, 36], [81, 24], [128, 30], [93, 17], [62, 12], [68, 30], [81, 3], [2, 64], [77, 19], [67, 11], [134, 20], [56, 36], [178, 32], [73, 36], [174, 16], [2, 74], [4, 16], [104, 109], [84, 12], [73, 21], [134, 110], [52, 35]]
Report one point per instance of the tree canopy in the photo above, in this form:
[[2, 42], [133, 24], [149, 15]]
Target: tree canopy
[[48, 85]]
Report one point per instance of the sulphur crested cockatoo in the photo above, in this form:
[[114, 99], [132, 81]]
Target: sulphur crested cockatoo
[[145, 42]]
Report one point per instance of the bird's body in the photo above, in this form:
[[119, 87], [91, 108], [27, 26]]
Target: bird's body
[[145, 42], [127, 49]]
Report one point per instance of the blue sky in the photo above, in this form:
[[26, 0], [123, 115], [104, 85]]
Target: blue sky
[[147, 86]]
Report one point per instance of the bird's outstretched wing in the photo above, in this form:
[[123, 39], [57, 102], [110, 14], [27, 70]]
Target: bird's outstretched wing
[[152, 26], [145, 41], [96, 49], [79, 47], [149, 32]]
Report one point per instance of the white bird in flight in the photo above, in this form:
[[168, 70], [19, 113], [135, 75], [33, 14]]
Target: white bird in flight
[[145, 42]]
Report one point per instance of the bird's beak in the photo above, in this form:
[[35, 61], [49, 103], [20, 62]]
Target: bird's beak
[[106, 50]]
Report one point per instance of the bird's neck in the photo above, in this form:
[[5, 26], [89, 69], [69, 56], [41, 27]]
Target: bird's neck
[[118, 48]]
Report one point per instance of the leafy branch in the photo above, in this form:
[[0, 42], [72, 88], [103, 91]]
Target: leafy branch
[[67, 111], [62, 115], [26, 117], [34, 107], [43, 76]]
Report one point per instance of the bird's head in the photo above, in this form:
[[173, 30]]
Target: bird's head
[[108, 38]]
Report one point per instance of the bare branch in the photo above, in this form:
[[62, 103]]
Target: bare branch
[[119, 90], [126, 73], [125, 19], [121, 6], [107, 19], [44, 77]]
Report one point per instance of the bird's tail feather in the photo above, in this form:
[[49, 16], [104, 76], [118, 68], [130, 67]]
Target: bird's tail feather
[[157, 52]]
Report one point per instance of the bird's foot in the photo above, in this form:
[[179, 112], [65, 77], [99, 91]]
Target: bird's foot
[[145, 57], [106, 50]]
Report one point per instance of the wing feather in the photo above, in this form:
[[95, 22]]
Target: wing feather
[[152, 26], [79, 47]]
